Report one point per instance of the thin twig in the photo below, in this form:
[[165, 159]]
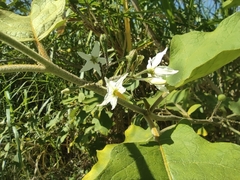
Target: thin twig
[[214, 87], [231, 128]]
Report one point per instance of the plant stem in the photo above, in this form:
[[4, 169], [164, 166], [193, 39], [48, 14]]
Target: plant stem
[[49, 67], [156, 103], [22, 68], [152, 126]]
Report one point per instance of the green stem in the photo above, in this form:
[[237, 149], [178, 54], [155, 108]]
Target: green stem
[[140, 73], [50, 67], [152, 126], [157, 102], [22, 68]]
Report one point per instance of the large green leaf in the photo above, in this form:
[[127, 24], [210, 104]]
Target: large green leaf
[[182, 154], [197, 54], [44, 17], [230, 3]]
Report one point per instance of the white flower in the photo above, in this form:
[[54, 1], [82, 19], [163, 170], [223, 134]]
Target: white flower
[[114, 90], [157, 74], [156, 80], [159, 71], [155, 61], [159, 82], [93, 59]]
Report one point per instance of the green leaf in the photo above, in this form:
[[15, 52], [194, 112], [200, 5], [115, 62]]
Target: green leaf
[[18, 156], [235, 107], [105, 120], [81, 97], [182, 154], [230, 3], [7, 147], [193, 108], [98, 127], [196, 54], [177, 96], [137, 134], [3, 5], [44, 17], [52, 123]]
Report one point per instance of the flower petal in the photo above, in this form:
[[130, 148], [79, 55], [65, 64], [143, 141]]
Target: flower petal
[[96, 49], [113, 102], [111, 86], [105, 102], [89, 65], [97, 68], [101, 60], [149, 65], [158, 58], [87, 57], [164, 70], [161, 88], [120, 80], [157, 81], [107, 81], [108, 97], [121, 90]]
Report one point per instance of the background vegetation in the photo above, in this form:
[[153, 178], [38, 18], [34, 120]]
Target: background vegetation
[[55, 136]]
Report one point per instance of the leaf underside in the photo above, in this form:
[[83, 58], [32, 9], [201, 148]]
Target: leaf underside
[[45, 16]]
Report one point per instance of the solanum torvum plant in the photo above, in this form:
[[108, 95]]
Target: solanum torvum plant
[[112, 79]]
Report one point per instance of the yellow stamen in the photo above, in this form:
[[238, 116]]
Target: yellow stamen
[[118, 94]]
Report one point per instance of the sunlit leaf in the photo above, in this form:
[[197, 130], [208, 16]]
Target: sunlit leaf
[[196, 54], [45, 16], [193, 108], [98, 127], [235, 107], [182, 154], [230, 3], [175, 96], [137, 134]]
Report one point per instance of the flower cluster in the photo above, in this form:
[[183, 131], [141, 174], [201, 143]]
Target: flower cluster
[[156, 74]]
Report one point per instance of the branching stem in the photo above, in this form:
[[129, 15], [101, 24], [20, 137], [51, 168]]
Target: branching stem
[[48, 67]]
